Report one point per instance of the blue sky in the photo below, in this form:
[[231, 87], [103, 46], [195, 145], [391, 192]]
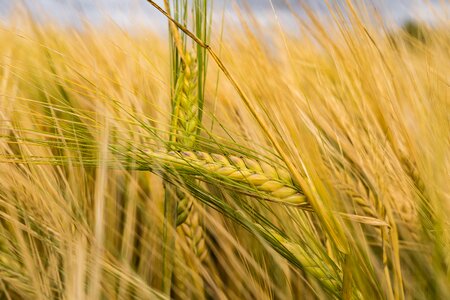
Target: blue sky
[[138, 12]]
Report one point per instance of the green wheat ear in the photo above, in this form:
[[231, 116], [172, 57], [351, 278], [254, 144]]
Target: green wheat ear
[[186, 103]]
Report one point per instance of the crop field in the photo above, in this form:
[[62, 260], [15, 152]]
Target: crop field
[[218, 159]]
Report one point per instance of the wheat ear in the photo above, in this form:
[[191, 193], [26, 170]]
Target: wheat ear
[[185, 120], [371, 206], [274, 184], [310, 262]]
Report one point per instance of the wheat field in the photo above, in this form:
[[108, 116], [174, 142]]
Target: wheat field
[[236, 161]]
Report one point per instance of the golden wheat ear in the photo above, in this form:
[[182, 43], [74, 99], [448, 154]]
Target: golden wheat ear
[[273, 184]]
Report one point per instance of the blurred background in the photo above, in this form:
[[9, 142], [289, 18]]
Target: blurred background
[[137, 13]]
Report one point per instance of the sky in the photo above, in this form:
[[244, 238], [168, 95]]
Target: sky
[[129, 13]]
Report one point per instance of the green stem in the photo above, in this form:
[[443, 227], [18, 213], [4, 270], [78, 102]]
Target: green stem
[[168, 245]]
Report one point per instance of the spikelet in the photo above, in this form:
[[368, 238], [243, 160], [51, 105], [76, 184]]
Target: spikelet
[[271, 183]]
